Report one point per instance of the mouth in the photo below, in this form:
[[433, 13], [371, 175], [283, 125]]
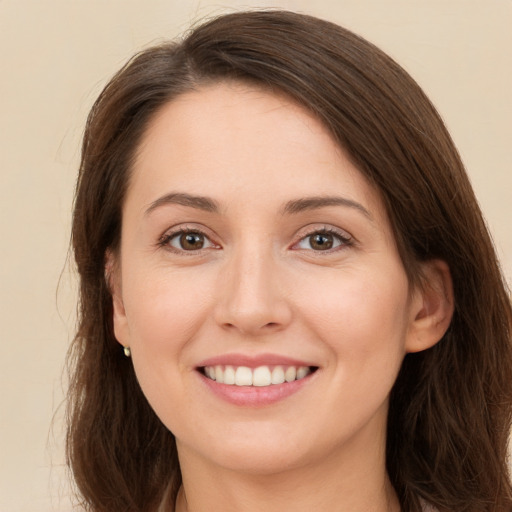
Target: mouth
[[257, 380], [261, 376]]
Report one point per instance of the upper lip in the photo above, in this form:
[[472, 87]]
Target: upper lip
[[252, 361]]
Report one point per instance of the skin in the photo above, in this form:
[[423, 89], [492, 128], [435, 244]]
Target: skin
[[259, 286]]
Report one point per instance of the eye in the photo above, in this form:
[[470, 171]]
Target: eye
[[323, 240], [187, 240]]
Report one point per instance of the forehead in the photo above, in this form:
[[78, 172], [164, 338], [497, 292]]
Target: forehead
[[234, 137], [237, 114]]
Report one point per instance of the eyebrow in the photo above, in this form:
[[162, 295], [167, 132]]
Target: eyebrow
[[291, 207], [313, 203], [199, 202]]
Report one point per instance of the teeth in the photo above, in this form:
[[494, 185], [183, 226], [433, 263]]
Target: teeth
[[229, 375], [278, 375], [301, 372], [290, 374], [261, 377], [243, 376]]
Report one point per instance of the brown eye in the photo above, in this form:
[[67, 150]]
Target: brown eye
[[321, 241], [188, 241], [191, 241]]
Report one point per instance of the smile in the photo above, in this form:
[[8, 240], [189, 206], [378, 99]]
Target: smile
[[262, 376], [256, 380]]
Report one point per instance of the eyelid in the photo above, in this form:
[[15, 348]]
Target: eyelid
[[346, 239], [170, 233]]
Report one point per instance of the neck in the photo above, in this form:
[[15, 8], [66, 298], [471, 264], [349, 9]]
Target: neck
[[349, 484], [251, 498]]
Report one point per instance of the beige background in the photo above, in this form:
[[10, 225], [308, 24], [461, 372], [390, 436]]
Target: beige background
[[56, 55]]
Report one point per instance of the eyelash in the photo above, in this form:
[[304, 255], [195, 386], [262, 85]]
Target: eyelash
[[344, 239], [165, 240]]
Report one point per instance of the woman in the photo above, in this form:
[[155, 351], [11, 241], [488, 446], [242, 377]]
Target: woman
[[289, 298]]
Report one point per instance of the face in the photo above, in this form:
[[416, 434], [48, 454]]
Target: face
[[258, 285]]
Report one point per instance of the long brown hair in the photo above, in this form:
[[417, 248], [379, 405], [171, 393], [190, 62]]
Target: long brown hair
[[451, 406]]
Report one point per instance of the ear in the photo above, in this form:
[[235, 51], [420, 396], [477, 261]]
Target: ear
[[432, 307], [113, 279]]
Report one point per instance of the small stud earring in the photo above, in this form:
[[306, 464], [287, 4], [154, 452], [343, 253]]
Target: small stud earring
[[127, 352]]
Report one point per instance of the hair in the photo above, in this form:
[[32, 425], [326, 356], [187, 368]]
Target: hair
[[450, 408]]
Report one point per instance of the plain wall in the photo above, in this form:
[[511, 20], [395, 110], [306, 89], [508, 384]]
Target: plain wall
[[55, 57]]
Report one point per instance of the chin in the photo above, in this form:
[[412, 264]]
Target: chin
[[258, 452], [261, 460]]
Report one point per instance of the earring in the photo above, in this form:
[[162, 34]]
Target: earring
[[127, 352]]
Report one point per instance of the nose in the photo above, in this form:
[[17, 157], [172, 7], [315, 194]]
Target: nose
[[252, 295]]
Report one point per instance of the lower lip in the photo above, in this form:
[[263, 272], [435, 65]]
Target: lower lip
[[255, 396]]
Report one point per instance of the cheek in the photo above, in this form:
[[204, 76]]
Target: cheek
[[165, 311], [361, 316], [362, 320]]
